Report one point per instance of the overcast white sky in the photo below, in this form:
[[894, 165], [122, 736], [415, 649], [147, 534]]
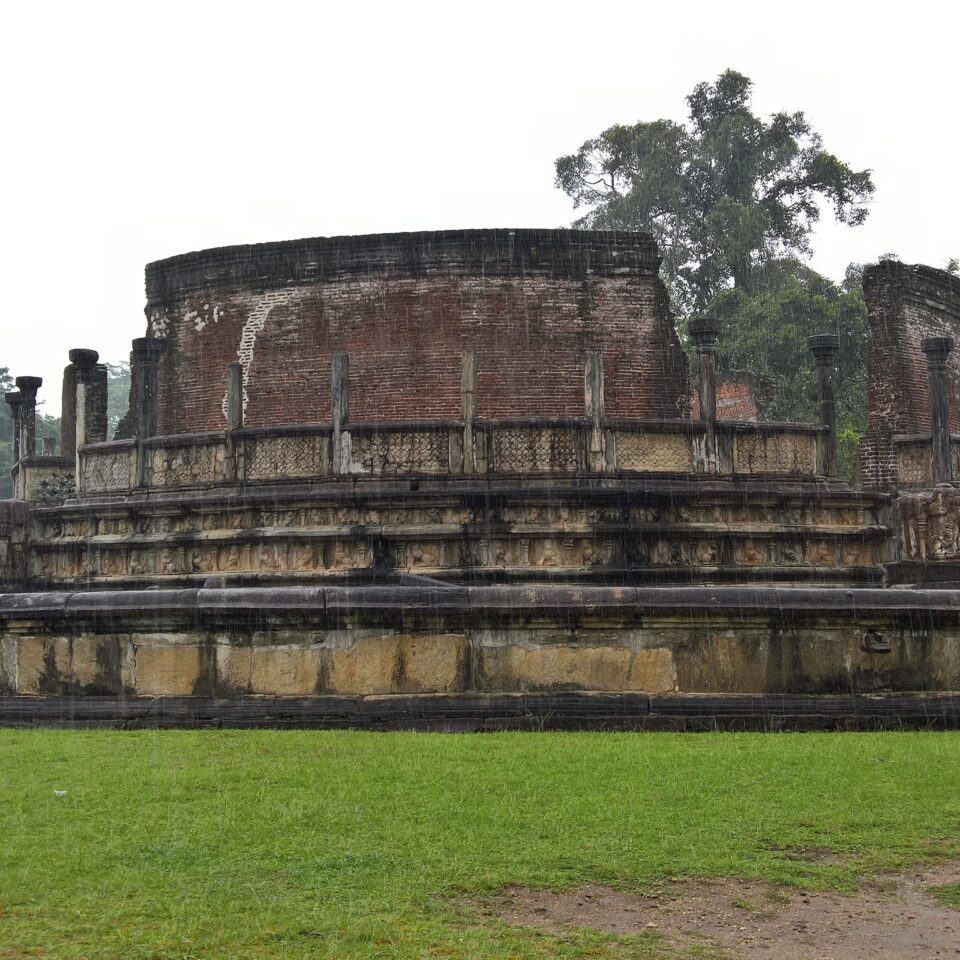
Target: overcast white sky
[[132, 132]]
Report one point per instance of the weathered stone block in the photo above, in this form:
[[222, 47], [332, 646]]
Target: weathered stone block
[[172, 670], [285, 670], [574, 667], [426, 663]]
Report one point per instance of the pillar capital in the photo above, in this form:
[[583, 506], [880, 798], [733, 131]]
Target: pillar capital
[[13, 399], [28, 387], [705, 331], [84, 361], [937, 350], [147, 350], [824, 347]]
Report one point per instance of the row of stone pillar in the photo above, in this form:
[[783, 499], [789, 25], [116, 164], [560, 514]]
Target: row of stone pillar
[[83, 417], [705, 331], [23, 409]]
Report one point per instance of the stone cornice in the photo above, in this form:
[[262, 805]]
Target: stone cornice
[[571, 254]]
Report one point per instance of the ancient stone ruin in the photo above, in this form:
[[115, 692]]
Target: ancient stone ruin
[[454, 479]]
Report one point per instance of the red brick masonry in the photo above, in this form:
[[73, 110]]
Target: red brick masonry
[[531, 303]]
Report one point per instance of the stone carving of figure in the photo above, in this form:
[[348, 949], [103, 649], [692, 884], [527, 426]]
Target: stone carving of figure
[[752, 553], [301, 557], [706, 552], [943, 528]]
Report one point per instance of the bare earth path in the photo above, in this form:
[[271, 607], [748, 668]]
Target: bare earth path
[[893, 917]]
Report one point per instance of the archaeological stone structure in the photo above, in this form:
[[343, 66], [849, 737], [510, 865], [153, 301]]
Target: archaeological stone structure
[[465, 480]]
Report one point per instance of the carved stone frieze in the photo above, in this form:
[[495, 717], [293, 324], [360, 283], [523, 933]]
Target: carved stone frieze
[[930, 524]]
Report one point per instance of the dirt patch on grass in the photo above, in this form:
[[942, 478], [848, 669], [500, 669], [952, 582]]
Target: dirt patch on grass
[[891, 918]]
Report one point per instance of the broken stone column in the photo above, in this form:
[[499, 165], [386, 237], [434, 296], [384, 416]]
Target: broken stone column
[[593, 401], [825, 347], [341, 453], [28, 387], [13, 401], [705, 331], [84, 376], [468, 405], [937, 350], [146, 356]]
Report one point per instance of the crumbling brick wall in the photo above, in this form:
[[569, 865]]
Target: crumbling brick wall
[[737, 399], [905, 303], [531, 303]]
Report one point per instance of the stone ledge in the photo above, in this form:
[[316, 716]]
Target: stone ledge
[[468, 712], [210, 604]]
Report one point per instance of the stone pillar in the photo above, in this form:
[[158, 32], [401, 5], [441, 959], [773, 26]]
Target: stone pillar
[[28, 387], [705, 331], [234, 409], [468, 405], [146, 355], [13, 401], [84, 374], [48, 446], [825, 347], [593, 402], [235, 396], [68, 412], [340, 409], [97, 405], [937, 350]]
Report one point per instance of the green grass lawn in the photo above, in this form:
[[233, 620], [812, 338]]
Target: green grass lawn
[[261, 844]]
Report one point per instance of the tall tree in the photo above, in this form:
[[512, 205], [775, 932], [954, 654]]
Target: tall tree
[[722, 195]]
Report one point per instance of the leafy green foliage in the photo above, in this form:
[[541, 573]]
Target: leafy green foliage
[[765, 331], [118, 394], [722, 195], [288, 844]]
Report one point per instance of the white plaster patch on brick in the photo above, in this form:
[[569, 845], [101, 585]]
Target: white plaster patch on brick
[[200, 319], [159, 324], [251, 329]]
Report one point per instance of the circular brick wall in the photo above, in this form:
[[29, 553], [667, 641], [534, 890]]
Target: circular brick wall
[[532, 304]]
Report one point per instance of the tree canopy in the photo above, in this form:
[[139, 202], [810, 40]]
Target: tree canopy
[[722, 195]]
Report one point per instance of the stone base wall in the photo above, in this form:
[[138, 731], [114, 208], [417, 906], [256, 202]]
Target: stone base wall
[[298, 642]]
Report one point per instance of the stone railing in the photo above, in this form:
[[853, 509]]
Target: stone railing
[[44, 479], [528, 446]]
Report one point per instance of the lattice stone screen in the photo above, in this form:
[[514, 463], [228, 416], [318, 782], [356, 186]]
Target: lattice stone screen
[[189, 464], [272, 458], [107, 470], [426, 451], [653, 452], [915, 461], [774, 453], [533, 450]]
